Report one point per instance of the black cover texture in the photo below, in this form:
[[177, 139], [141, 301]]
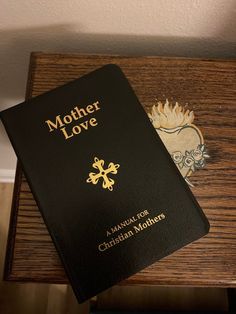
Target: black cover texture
[[112, 198]]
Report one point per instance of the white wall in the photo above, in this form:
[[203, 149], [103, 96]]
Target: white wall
[[194, 28]]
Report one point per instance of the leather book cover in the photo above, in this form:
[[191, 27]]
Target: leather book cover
[[112, 198]]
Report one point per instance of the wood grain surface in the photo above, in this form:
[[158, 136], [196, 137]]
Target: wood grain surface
[[206, 86]]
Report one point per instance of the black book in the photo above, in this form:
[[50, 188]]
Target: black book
[[112, 198]]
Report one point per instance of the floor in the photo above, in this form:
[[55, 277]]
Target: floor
[[30, 298]]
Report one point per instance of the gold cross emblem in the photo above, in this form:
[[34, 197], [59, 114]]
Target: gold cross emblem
[[94, 177]]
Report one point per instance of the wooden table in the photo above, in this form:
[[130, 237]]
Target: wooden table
[[209, 88]]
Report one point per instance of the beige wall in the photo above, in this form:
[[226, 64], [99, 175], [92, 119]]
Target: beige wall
[[194, 28]]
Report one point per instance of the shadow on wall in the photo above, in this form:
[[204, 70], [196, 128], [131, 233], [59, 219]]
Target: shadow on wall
[[16, 45]]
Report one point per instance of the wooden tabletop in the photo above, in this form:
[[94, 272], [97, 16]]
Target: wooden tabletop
[[206, 86]]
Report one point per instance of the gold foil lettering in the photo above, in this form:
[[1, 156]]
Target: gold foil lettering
[[75, 114]]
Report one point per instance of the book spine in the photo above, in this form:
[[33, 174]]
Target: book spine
[[77, 290]]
